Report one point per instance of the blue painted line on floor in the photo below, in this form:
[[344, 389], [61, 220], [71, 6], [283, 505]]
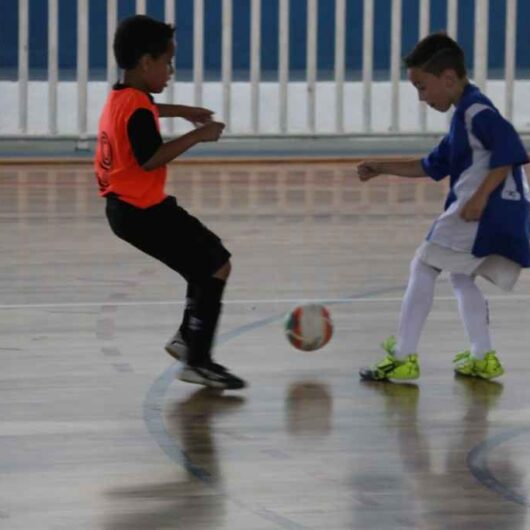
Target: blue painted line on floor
[[477, 461]]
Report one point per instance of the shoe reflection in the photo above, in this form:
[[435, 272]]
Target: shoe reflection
[[432, 438], [189, 503], [191, 422], [480, 395]]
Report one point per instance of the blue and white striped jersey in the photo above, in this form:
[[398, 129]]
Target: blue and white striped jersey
[[479, 140]]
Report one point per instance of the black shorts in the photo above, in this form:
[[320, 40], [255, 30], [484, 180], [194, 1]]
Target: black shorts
[[171, 235]]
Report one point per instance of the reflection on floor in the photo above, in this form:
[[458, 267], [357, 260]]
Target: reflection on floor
[[95, 433]]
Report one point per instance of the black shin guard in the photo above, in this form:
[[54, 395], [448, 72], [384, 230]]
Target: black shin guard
[[203, 320]]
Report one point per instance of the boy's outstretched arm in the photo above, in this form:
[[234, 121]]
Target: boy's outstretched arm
[[210, 132], [369, 169], [193, 114]]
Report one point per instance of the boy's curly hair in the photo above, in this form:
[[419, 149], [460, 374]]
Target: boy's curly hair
[[138, 35]]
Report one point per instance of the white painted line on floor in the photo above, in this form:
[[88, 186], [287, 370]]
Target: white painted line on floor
[[262, 301]]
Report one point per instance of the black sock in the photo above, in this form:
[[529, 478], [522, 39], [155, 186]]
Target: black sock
[[188, 311], [203, 320]]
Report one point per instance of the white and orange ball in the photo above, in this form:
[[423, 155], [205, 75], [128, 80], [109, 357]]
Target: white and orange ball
[[308, 327]]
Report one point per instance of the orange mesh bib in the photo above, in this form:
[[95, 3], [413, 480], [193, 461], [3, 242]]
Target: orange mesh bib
[[116, 167]]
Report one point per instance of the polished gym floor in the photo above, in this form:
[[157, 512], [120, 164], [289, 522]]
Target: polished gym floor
[[96, 433]]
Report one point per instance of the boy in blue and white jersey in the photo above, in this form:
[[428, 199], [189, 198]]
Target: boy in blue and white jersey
[[484, 229]]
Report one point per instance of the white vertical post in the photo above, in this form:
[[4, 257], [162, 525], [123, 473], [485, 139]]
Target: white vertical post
[[395, 64], [169, 17], [226, 63], [82, 70], [198, 44], [480, 61], [112, 18], [452, 31], [340, 40], [452, 19], [311, 66], [140, 7], [283, 62], [53, 73], [23, 67], [424, 31], [509, 56], [368, 62], [255, 62]]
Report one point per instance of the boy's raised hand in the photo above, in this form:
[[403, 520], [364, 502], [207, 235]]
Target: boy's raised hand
[[368, 169], [211, 131]]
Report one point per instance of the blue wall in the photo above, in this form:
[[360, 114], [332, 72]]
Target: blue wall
[[241, 16]]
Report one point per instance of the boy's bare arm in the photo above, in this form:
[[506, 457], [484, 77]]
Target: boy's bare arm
[[369, 169], [209, 132], [192, 114], [472, 210]]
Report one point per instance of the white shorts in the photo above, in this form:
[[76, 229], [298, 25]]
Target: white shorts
[[499, 270]]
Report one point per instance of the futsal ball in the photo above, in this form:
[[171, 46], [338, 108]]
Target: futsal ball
[[308, 327]]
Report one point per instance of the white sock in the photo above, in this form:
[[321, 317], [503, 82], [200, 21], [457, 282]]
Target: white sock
[[474, 312], [415, 307]]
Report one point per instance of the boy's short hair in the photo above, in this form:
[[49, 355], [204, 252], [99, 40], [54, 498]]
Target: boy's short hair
[[138, 35], [436, 53]]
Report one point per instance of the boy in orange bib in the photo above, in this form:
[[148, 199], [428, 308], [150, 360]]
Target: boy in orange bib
[[130, 166]]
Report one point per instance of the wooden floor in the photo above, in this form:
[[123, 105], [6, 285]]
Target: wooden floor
[[95, 432]]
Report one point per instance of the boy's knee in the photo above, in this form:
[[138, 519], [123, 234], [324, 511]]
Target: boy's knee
[[224, 272], [460, 281], [419, 268]]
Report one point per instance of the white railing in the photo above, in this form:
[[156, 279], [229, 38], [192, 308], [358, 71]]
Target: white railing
[[280, 108]]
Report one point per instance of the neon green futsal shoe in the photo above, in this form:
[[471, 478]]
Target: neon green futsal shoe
[[487, 368], [392, 368]]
